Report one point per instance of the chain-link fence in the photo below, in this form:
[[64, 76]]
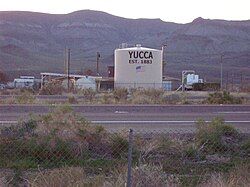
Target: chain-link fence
[[47, 151]]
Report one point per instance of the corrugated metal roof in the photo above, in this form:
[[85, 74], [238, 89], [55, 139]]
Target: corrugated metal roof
[[62, 75], [65, 75]]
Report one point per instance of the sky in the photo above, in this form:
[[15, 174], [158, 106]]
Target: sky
[[180, 11]]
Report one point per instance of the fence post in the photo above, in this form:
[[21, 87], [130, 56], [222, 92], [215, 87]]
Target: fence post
[[130, 144]]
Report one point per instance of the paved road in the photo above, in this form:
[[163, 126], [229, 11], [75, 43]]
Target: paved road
[[176, 117]]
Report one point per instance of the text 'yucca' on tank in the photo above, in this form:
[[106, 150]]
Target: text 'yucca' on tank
[[141, 54]]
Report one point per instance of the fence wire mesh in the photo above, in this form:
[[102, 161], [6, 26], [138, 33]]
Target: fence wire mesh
[[49, 152]]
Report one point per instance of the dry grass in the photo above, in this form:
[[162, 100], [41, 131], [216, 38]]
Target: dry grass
[[143, 175], [121, 96], [16, 91], [23, 96], [67, 176], [6, 178], [239, 177], [3, 180], [146, 175], [153, 175], [75, 176]]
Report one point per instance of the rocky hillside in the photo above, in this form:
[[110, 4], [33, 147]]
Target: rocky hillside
[[34, 42]]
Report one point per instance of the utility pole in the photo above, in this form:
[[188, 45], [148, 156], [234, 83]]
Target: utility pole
[[97, 63], [232, 81], [221, 71], [163, 60], [227, 82], [68, 68], [182, 81], [65, 61], [241, 81]]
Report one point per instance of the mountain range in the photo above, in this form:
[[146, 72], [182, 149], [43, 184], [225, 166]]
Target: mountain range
[[32, 42]]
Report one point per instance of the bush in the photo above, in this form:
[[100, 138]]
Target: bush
[[106, 98], [25, 97], [52, 88], [55, 139], [173, 99], [206, 86], [246, 146], [147, 96], [72, 99], [216, 136], [119, 146], [191, 152], [222, 98], [120, 94], [166, 145], [25, 128], [62, 122], [89, 94], [27, 153], [140, 99]]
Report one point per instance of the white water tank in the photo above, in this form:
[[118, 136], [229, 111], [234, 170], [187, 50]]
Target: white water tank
[[86, 83], [192, 78], [138, 67]]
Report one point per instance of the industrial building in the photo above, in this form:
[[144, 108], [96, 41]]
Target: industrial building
[[138, 67]]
